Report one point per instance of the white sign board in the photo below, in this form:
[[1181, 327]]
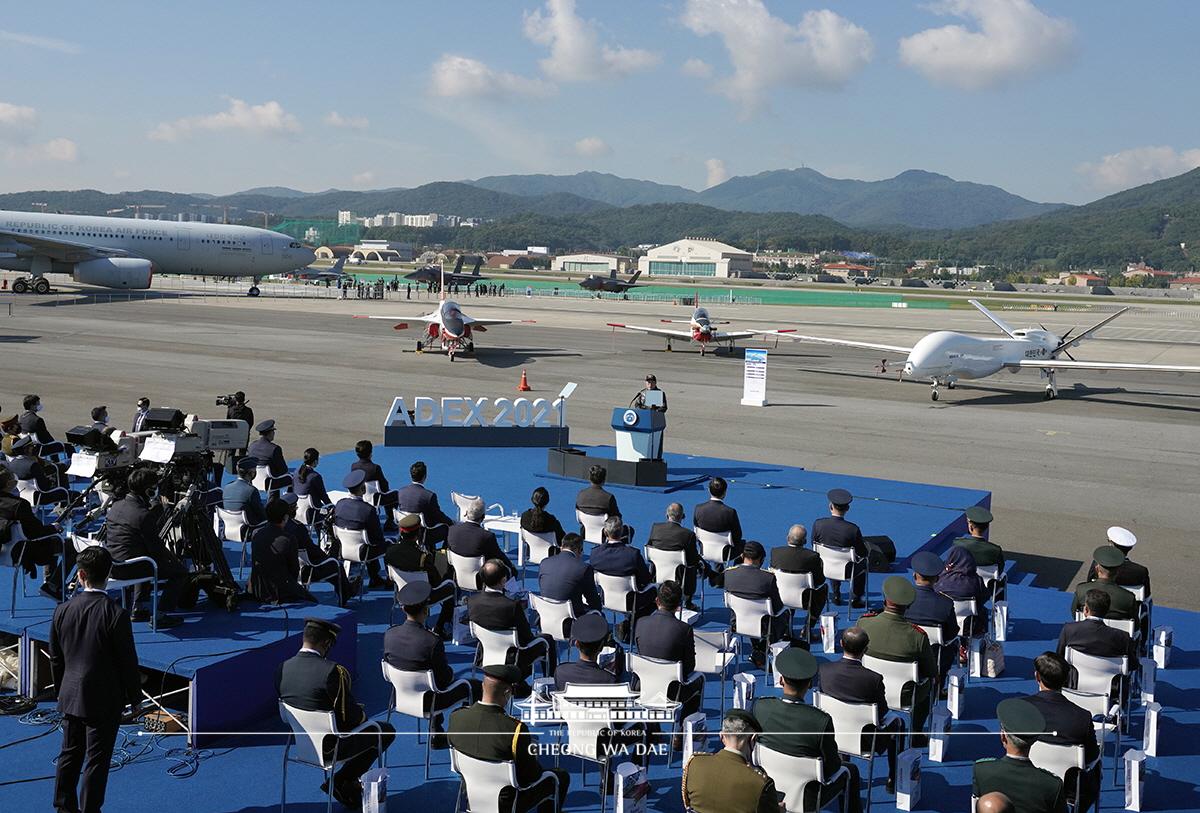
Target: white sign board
[[754, 391]]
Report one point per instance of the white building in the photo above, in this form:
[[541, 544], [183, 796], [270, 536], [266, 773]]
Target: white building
[[599, 264], [696, 257], [383, 251], [347, 218]]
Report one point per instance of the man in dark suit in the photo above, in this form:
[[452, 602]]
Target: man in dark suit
[[1031, 789], [493, 610], [749, 580], [355, 514], [385, 497], [931, 607], [310, 682], [594, 500], [851, 682], [716, 517], [1066, 724], [838, 532], [672, 536], [567, 577], [663, 636], [411, 647], [795, 558], [1122, 603], [242, 495], [33, 424], [268, 454], [42, 544], [469, 538], [791, 726], [27, 465], [275, 561], [485, 731], [1130, 574], [414, 498], [616, 557], [1092, 636], [100, 418], [94, 666], [143, 406]]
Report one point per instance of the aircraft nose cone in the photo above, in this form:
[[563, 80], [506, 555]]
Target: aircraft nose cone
[[307, 255]]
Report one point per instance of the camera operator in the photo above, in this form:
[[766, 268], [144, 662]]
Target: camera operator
[[42, 542], [132, 530], [268, 454], [236, 409], [100, 418], [242, 494]]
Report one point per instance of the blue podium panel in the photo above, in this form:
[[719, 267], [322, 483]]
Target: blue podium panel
[[639, 433]]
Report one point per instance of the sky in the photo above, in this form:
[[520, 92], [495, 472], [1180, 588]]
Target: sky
[[1058, 101]]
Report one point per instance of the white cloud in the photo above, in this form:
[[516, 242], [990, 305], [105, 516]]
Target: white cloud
[[58, 151], [823, 52], [1138, 166], [16, 121], [122, 174], [716, 172], [592, 147], [575, 52], [40, 42], [697, 69], [261, 119], [363, 177], [335, 119], [459, 77], [1015, 41]]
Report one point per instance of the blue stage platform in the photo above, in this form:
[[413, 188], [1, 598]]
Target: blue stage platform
[[245, 774]]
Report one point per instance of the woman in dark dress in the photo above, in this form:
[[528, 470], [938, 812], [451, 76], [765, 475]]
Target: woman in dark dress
[[538, 520], [960, 582]]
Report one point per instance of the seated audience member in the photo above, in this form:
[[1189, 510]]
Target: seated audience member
[[589, 635], [893, 638], [495, 611], [594, 500], [568, 577], [414, 498], [835, 531], [1122, 603], [28, 467], [1066, 724], [791, 726], [726, 781], [538, 520], [616, 557], [469, 538], [42, 544], [749, 580], [672, 536], [100, 418], [716, 517], [795, 558], [242, 494], [1129, 574], [931, 608], [1092, 636], [275, 561], [408, 555], [663, 636], [960, 582], [355, 514], [267, 452], [410, 647], [485, 731], [374, 472], [321, 566], [985, 553], [309, 682], [309, 481], [11, 427], [995, 802], [1031, 789], [851, 682], [31, 423]]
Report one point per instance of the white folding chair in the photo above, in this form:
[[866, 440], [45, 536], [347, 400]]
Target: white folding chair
[[1106, 676], [266, 483], [82, 541], [484, 781], [965, 609], [502, 646], [938, 642], [749, 616], [994, 579], [413, 695], [716, 651], [793, 774], [655, 677], [17, 536], [402, 577], [466, 571], [1105, 715], [235, 527], [355, 548], [896, 676], [619, 594], [310, 729], [840, 565], [584, 724], [666, 564], [305, 510], [1060, 760], [592, 525], [850, 722], [797, 591], [554, 617], [715, 548], [537, 547]]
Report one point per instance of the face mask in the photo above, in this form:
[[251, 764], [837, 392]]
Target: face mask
[[37, 408]]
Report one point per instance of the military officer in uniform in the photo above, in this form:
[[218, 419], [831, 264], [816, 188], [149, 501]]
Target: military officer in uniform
[[931, 607], [1031, 789], [1131, 574], [242, 495], [1122, 603], [310, 682], [485, 731], [805, 731], [726, 782], [589, 634], [408, 555], [895, 638], [836, 531], [268, 454], [985, 553], [354, 514]]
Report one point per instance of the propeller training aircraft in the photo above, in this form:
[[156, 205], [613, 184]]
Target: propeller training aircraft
[[700, 330]]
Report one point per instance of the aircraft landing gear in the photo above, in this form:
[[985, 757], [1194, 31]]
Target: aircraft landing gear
[[420, 347], [20, 286], [668, 350], [703, 350], [933, 394], [253, 291], [471, 347], [1051, 386], [41, 285]]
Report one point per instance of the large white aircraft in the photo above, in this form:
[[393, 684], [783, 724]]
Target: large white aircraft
[[945, 356], [448, 323], [117, 252], [701, 329]]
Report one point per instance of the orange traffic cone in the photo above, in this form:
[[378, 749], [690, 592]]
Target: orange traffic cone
[[524, 385]]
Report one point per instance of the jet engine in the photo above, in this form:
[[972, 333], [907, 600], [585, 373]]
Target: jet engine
[[115, 272]]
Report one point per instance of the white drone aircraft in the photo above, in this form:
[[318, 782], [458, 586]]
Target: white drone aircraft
[[700, 330], [945, 356], [119, 252], [455, 329]]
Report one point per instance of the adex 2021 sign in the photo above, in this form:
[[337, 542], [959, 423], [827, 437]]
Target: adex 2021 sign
[[466, 411]]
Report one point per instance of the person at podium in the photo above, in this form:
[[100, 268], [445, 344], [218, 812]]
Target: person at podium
[[645, 400]]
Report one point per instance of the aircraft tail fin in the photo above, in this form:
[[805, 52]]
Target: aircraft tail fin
[[1000, 323], [478, 263], [458, 264], [636, 274], [612, 274], [336, 268]]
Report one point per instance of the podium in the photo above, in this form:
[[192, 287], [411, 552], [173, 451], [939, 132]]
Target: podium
[[639, 433]]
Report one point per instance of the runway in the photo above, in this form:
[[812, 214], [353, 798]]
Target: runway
[[1115, 448]]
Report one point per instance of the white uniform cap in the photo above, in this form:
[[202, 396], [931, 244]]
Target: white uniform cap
[[1121, 536]]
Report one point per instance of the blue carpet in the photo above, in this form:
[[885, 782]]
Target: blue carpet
[[243, 773]]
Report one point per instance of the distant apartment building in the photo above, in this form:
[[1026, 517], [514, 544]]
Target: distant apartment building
[[790, 259], [347, 218]]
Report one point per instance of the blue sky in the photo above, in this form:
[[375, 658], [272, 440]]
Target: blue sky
[[1056, 101]]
